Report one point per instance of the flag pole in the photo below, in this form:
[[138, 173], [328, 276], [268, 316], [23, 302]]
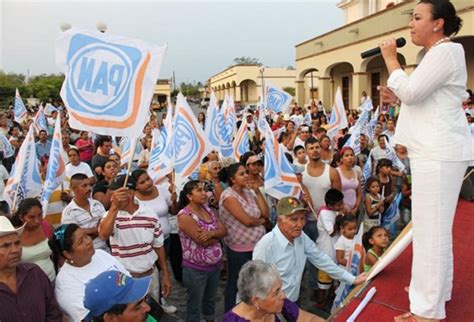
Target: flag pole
[[16, 197], [132, 154]]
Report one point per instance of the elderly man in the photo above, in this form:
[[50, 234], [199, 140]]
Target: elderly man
[[288, 247], [135, 236], [26, 293]]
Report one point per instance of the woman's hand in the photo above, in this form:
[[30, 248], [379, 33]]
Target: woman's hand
[[388, 49], [387, 95]]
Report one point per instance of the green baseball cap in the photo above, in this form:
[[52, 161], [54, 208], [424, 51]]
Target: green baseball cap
[[288, 206]]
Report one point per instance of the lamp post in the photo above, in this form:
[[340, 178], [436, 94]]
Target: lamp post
[[262, 69], [312, 91], [101, 26]]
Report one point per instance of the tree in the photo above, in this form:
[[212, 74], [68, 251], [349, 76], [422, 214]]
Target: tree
[[290, 90], [246, 61], [46, 87]]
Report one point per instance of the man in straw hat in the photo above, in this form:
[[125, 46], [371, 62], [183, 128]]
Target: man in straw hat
[[26, 293], [288, 247]]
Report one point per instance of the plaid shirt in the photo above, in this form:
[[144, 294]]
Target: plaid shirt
[[239, 235]]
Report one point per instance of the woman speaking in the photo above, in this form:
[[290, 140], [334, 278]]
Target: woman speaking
[[433, 127]]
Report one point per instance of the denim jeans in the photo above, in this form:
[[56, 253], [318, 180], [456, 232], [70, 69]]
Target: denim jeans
[[235, 261], [201, 293]]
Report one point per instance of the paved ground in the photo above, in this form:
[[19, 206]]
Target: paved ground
[[178, 299]]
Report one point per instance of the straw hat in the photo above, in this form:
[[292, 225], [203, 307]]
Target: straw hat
[[6, 227]]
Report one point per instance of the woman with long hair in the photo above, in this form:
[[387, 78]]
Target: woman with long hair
[[244, 211], [200, 232]]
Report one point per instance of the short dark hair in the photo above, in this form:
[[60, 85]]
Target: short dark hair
[[444, 9], [102, 139], [310, 140], [333, 196], [229, 172], [117, 309], [297, 148]]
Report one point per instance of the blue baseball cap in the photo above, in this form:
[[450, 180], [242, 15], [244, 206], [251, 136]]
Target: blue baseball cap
[[113, 287]]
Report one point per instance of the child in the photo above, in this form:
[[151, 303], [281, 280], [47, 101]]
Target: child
[[387, 184], [375, 242], [343, 246], [327, 236], [374, 203], [300, 155]]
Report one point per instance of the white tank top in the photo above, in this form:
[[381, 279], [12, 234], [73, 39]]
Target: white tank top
[[317, 187]]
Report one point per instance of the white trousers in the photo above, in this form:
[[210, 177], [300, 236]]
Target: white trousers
[[435, 192]]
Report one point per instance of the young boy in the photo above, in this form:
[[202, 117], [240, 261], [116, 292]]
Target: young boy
[[327, 237], [300, 155]]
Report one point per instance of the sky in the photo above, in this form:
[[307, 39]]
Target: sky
[[203, 37]]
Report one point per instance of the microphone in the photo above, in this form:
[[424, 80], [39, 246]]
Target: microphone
[[376, 51]]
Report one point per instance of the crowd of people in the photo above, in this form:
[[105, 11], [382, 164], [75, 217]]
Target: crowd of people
[[222, 224], [112, 244]]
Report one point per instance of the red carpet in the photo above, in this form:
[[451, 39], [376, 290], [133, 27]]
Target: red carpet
[[391, 300]]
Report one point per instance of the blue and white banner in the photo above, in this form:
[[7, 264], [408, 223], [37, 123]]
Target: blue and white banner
[[392, 214], [358, 129], [241, 142], [212, 123], [227, 121], [279, 177], [39, 122], [392, 156], [338, 119], [109, 80], [370, 129], [276, 99], [188, 140], [366, 171], [6, 147], [353, 267], [55, 172], [19, 110], [25, 179], [162, 152]]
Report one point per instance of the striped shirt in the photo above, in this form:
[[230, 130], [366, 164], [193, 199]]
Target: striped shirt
[[135, 237], [73, 214], [34, 299]]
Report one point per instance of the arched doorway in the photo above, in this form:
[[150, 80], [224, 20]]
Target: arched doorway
[[341, 76], [308, 86], [378, 75], [248, 91]]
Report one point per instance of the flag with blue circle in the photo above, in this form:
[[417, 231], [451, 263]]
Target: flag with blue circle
[[55, 171], [338, 118], [353, 267], [227, 121], [39, 122], [6, 147], [19, 110], [25, 179], [276, 99], [109, 80], [241, 142], [188, 140], [212, 123], [161, 152]]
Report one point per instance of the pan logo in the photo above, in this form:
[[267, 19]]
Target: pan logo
[[101, 76]]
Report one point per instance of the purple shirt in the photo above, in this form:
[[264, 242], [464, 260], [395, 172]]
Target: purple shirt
[[34, 299], [290, 312], [195, 256]]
